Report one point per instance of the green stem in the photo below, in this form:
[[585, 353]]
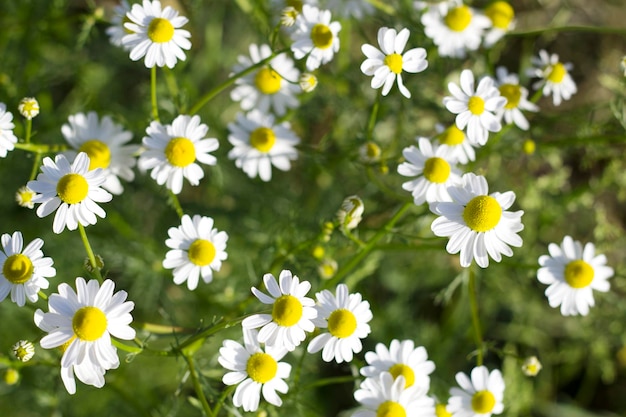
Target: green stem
[[197, 386], [40, 148], [588, 29], [222, 398], [471, 288], [204, 334], [90, 254], [176, 204], [371, 123], [29, 127], [36, 164], [153, 93]]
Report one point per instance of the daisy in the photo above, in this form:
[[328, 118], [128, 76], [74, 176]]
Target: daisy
[[385, 396], [502, 18], [72, 190], [516, 99], [23, 350], [105, 142], [315, 37], [272, 87], [28, 107], [7, 138], [255, 370], [402, 358], [387, 64], [555, 77], [346, 316], [435, 171], [156, 34], [480, 396], [23, 272], [260, 143], [572, 273], [197, 250], [477, 223], [347, 9], [24, 197], [292, 312], [117, 30], [85, 320], [454, 27], [455, 141], [475, 107], [172, 151]]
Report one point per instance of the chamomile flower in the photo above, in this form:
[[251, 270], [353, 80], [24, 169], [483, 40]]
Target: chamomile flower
[[477, 223], [73, 191], [572, 273], [255, 371], [24, 197], [401, 358], [23, 350], [117, 30], [260, 143], [351, 211], [387, 64], [385, 396], [516, 99], [346, 316], [356, 9], [480, 396], [198, 249], [85, 320], [555, 77], [23, 270], [29, 107], [434, 168], [7, 138], [454, 27], [156, 34], [456, 142], [172, 151], [315, 37], [292, 312], [105, 142], [502, 18], [475, 107]]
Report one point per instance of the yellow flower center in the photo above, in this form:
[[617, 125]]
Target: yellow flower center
[[512, 93], [67, 344], [578, 274], [201, 252], [267, 81], [401, 369], [501, 14], [98, 152], [17, 268], [483, 402], [394, 62], [89, 323], [441, 411], [482, 213], [180, 152], [261, 367], [529, 146], [263, 139], [436, 170], [458, 18], [72, 188], [321, 36], [25, 196], [390, 409], [372, 150], [160, 30], [287, 310], [341, 323], [557, 73], [452, 136], [476, 105]]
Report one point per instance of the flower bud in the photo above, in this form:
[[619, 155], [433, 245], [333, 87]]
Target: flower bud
[[28, 107], [350, 213], [308, 82], [531, 366], [23, 350], [288, 16]]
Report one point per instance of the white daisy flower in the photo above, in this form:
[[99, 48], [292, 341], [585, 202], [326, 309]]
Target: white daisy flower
[[315, 37], [387, 64], [84, 322], [72, 190], [23, 272], [23, 350], [156, 34], [516, 99], [7, 138], [271, 88], [477, 223], [292, 312], [385, 396], [346, 316], [105, 142], [434, 168], [402, 358], [347, 9], [572, 273], [555, 77], [197, 250], [480, 396], [475, 107], [502, 18], [172, 151], [456, 142], [260, 143], [117, 30], [24, 197], [454, 27]]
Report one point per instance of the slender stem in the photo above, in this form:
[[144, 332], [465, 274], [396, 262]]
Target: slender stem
[[589, 29], [90, 254], [36, 164], [42, 295], [222, 398], [29, 127], [176, 204], [40, 148], [197, 386], [210, 331], [153, 93], [471, 288], [371, 123]]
